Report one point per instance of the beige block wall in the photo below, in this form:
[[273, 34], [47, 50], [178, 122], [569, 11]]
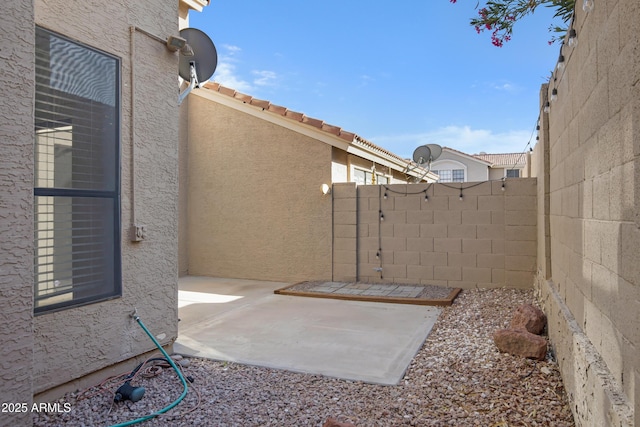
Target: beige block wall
[[17, 88], [77, 341], [255, 206], [590, 141], [487, 239]]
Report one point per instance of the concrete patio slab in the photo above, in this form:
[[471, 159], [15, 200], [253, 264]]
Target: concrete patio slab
[[243, 321]]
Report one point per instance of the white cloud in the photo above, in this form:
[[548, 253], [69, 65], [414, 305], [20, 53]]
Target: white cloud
[[365, 80], [462, 138], [231, 49], [264, 78], [505, 87], [227, 73]]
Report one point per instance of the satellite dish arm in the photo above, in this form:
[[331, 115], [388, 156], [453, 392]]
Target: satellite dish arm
[[193, 83]]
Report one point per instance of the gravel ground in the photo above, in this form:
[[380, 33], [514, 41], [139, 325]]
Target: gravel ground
[[458, 378]]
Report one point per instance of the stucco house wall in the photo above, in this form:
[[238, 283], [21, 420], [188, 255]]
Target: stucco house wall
[[588, 270], [77, 341], [255, 205], [17, 87], [55, 349], [475, 170]]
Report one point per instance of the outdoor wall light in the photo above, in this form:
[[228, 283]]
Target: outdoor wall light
[[326, 189], [547, 107], [573, 38], [587, 6], [554, 95]]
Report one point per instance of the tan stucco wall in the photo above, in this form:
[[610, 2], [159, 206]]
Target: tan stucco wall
[[77, 341], [592, 294], [488, 239], [17, 88], [255, 206]]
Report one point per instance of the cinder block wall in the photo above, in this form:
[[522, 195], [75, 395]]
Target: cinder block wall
[[487, 239], [589, 274]]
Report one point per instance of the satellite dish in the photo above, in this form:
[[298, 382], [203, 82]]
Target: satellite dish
[[200, 66], [436, 151], [422, 155], [204, 56]]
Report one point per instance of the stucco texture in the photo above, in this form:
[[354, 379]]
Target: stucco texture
[[77, 341], [255, 206], [17, 88]]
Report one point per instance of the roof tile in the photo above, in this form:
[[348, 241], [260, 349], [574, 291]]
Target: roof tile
[[278, 109], [313, 122], [503, 159], [331, 128], [227, 91], [294, 115], [260, 103]]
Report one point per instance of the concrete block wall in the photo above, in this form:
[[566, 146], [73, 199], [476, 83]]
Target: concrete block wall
[[589, 280], [487, 239]]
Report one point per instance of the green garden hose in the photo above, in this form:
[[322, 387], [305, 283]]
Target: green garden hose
[[173, 365]]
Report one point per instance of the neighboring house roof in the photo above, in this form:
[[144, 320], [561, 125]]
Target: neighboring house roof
[[302, 118], [465, 155], [503, 159]]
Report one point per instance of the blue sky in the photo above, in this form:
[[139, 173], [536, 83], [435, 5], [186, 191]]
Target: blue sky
[[400, 74]]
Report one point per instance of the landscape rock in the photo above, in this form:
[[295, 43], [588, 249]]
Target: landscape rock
[[332, 422], [530, 318], [520, 342]]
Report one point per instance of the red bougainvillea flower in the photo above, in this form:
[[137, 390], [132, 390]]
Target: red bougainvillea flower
[[499, 16]]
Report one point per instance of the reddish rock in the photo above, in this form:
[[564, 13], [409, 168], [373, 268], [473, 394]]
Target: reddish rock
[[530, 318], [520, 343], [332, 422]]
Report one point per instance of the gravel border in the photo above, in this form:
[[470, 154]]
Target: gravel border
[[457, 378]]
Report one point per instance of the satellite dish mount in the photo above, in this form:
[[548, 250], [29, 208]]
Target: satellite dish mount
[[193, 82]]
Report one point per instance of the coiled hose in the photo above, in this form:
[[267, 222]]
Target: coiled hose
[[175, 368]]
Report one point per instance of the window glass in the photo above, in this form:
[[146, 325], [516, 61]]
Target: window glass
[[76, 182], [458, 175], [445, 175], [513, 173]]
